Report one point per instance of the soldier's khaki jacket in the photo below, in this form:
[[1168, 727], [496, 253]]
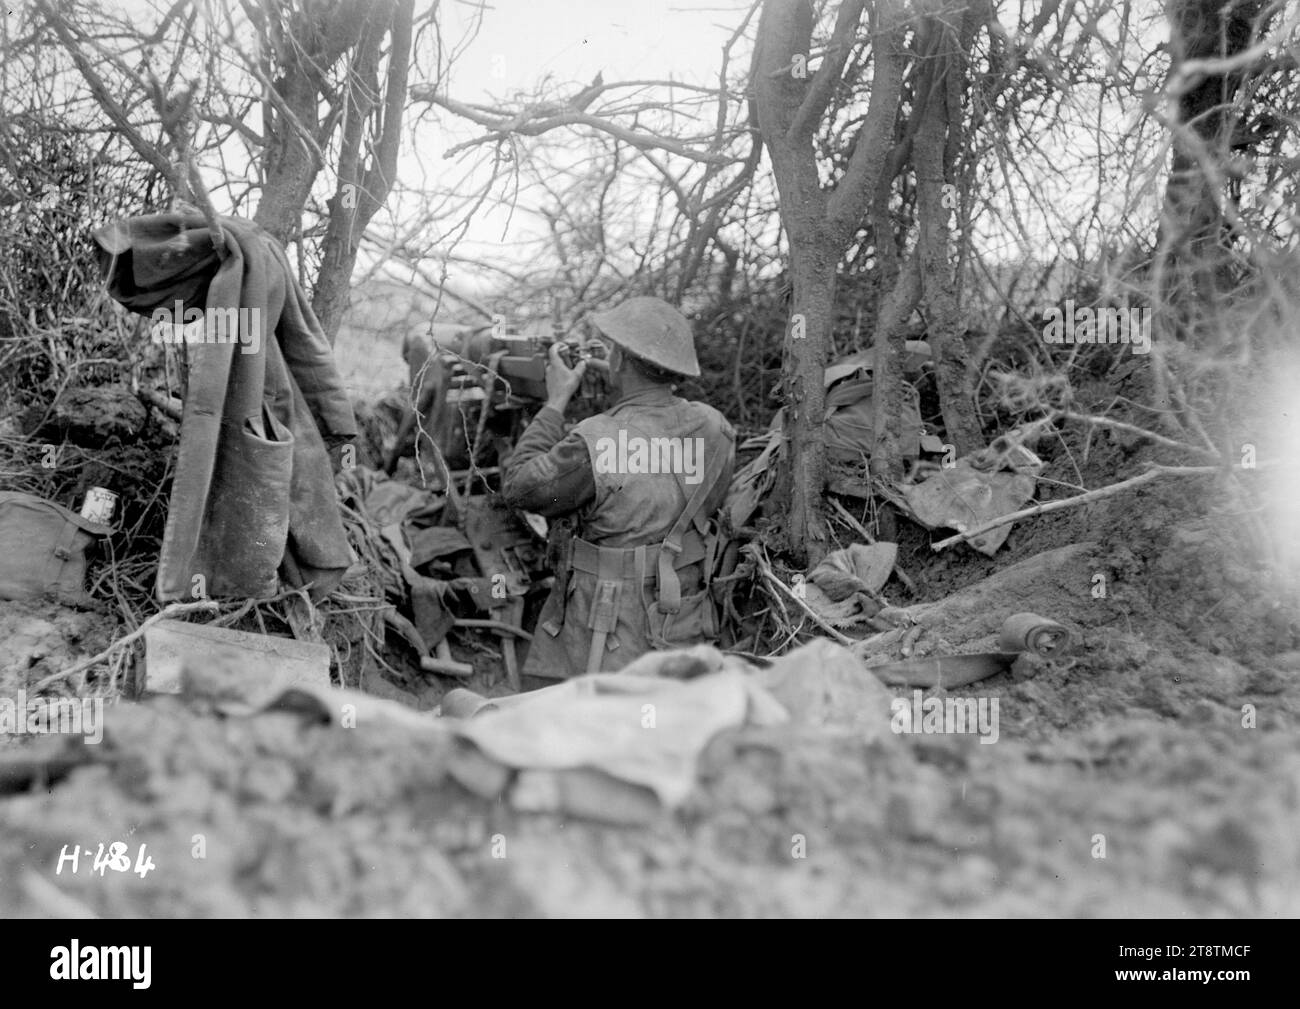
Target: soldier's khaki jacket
[[608, 473]]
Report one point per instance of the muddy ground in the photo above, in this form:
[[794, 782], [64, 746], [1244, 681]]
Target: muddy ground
[[1126, 783]]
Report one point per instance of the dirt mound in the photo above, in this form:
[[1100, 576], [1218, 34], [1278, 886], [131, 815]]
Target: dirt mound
[[1134, 782], [43, 638]]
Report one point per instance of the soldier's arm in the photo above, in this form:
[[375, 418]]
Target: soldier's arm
[[549, 473]]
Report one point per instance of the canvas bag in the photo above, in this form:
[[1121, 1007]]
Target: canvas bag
[[850, 421], [43, 549]]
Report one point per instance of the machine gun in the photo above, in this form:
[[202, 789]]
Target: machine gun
[[492, 381]]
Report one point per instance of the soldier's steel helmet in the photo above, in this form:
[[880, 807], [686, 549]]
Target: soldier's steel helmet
[[654, 331]]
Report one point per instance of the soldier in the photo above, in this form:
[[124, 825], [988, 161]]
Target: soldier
[[642, 481]]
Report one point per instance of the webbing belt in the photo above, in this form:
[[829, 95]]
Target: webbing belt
[[630, 562]]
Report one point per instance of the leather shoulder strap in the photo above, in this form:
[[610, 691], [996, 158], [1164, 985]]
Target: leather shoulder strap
[[670, 587]]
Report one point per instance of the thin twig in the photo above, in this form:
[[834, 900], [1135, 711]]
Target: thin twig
[[543, 117], [174, 610], [843, 639], [1078, 499], [161, 402], [853, 523], [1144, 432]]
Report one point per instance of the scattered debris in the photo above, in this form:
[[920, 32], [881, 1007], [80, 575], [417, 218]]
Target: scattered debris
[[860, 567], [844, 588], [987, 618], [944, 671], [964, 496], [751, 482], [1028, 632]]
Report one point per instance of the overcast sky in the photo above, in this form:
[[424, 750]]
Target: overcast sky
[[523, 40]]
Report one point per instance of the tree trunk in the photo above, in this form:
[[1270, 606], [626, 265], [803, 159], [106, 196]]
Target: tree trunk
[[944, 329], [1192, 224], [311, 42], [1191, 270], [813, 267], [819, 220], [361, 193], [888, 393], [290, 167]]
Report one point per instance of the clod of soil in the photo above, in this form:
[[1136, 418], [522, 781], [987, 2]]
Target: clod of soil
[[97, 416]]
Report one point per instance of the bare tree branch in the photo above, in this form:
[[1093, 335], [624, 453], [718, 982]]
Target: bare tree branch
[[828, 73], [526, 125]]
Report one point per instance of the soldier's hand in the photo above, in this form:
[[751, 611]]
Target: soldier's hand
[[561, 380]]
